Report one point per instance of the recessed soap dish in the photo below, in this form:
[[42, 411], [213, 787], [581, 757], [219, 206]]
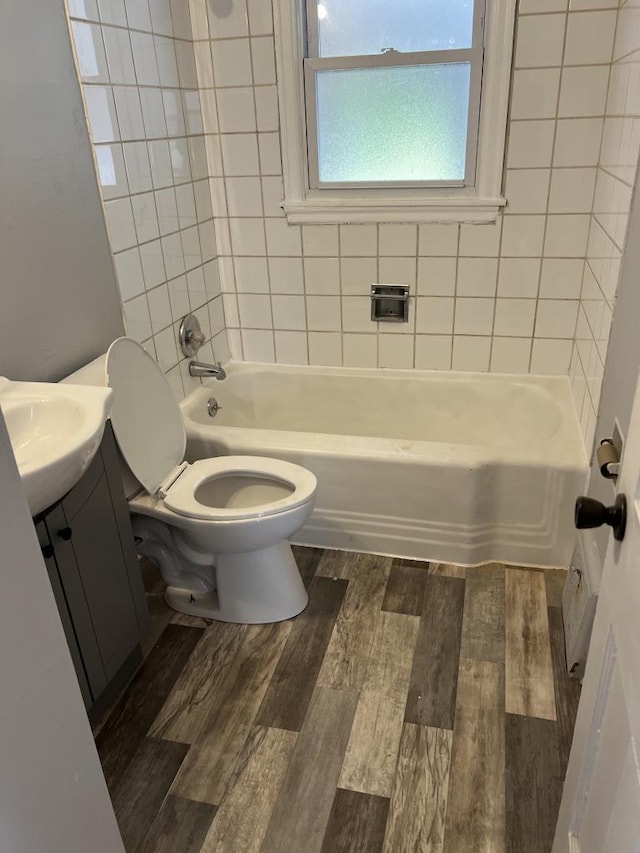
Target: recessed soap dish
[[390, 303]]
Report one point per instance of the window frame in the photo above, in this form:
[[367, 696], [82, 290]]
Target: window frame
[[424, 202], [312, 62]]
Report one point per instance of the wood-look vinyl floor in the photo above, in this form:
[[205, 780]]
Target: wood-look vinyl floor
[[411, 707]]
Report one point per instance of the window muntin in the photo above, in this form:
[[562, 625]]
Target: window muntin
[[392, 118]]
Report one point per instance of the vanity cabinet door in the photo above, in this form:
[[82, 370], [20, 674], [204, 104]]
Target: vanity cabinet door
[[109, 455], [63, 610], [89, 550], [76, 600], [95, 542]]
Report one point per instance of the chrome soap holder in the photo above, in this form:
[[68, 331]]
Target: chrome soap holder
[[390, 303]]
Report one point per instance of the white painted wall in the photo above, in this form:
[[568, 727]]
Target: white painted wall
[[53, 796], [60, 305]]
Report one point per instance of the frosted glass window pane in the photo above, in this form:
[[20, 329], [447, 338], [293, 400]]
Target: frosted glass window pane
[[360, 27], [406, 123]]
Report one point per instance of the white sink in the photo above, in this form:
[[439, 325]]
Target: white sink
[[55, 431]]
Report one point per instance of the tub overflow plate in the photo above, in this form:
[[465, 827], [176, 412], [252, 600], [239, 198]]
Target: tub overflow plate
[[213, 407]]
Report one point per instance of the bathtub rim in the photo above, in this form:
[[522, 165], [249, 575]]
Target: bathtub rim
[[574, 453]]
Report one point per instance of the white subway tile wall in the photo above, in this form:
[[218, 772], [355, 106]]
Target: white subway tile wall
[[502, 297], [532, 293], [615, 177], [137, 66]]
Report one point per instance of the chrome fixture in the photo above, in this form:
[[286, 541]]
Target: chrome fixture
[[190, 335], [199, 368], [213, 407], [390, 303]]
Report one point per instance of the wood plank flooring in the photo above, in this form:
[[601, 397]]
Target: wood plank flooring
[[528, 671], [410, 707]]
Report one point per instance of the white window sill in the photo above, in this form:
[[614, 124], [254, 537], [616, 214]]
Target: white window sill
[[350, 210]]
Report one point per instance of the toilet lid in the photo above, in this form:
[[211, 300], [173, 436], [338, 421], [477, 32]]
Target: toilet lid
[[146, 418]]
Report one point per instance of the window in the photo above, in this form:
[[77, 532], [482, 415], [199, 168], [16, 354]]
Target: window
[[393, 111]]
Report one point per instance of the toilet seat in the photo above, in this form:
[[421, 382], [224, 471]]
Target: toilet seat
[[181, 497]]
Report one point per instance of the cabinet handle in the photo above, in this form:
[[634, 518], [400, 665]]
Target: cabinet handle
[[65, 533], [47, 551]]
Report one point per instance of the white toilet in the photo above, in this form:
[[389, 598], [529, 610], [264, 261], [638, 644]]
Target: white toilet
[[217, 528]]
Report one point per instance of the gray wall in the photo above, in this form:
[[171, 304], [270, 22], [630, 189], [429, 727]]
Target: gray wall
[[623, 361], [59, 304]]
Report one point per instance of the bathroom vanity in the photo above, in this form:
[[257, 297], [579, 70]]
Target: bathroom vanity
[[88, 546]]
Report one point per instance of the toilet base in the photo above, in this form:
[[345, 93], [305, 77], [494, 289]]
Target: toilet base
[[203, 604], [252, 588]]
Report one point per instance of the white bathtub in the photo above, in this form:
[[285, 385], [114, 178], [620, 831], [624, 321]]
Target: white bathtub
[[453, 467]]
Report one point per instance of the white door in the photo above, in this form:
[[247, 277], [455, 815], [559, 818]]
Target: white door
[[600, 810]]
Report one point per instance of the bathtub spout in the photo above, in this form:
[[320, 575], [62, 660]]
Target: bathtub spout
[[199, 368]]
